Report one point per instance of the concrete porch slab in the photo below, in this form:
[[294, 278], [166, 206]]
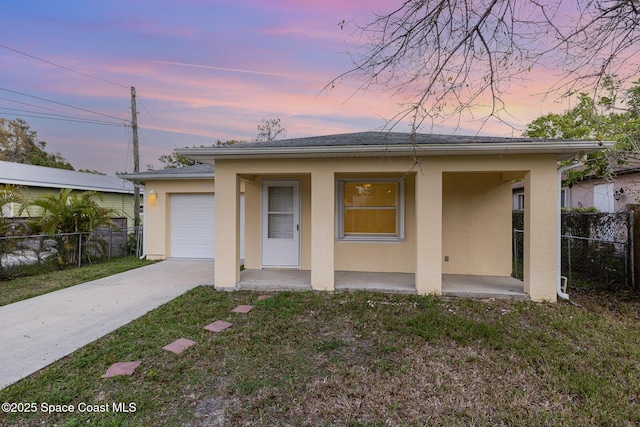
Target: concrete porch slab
[[501, 287], [275, 280], [461, 285], [403, 283]]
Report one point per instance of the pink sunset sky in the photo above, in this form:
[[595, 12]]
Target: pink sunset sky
[[204, 71]]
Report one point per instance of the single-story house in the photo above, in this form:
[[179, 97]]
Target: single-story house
[[423, 206], [37, 181], [180, 212]]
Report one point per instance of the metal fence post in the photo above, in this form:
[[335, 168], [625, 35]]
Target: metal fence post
[[79, 236], [569, 259], [514, 251], [632, 248]]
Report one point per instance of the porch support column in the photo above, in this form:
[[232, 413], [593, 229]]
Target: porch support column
[[227, 226], [429, 231], [322, 230], [540, 234]]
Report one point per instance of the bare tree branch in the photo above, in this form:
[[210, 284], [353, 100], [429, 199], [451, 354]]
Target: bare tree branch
[[446, 57]]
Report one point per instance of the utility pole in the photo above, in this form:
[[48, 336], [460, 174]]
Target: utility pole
[[136, 158]]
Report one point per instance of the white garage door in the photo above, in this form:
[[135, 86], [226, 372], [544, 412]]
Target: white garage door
[[193, 225]]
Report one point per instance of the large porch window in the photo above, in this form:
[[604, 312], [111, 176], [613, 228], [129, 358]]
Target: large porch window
[[370, 209]]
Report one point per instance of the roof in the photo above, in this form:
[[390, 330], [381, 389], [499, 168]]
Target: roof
[[40, 176], [371, 144], [199, 171]]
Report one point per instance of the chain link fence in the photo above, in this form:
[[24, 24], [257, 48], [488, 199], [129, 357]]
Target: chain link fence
[[597, 249], [33, 254]]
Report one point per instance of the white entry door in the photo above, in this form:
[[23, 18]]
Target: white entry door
[[281, 224]]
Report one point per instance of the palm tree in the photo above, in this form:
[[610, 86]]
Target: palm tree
[[70, 217]]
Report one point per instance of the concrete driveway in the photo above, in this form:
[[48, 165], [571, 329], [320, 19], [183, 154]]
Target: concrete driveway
[[36, 332]]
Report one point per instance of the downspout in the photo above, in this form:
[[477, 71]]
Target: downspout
[[559, 287]]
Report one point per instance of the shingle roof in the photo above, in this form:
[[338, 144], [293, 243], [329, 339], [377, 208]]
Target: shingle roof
[[199, 171], [379, 138], [373, 144], [40, 176]]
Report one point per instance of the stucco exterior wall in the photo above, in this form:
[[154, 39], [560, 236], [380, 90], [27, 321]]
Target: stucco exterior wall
[[157, 221], [476, 229], [581, 193], [461, 209]]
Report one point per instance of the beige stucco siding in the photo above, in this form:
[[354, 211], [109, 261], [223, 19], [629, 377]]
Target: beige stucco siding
[[455, 206], [157, 216], [476, 224]]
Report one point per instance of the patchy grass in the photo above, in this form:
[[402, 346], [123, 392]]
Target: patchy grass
[[356, 359], [22, 288]]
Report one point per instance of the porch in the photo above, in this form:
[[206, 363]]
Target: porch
[[469, 286]]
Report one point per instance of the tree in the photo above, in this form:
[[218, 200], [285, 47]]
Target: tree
[[270, 129], [175, 160], [612, 117], [69, 217], [20, 144], [447, 56]]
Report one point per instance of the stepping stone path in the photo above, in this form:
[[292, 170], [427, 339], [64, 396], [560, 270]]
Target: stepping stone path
[[121, 368], [218, 326], [244, 309], [179, 345]]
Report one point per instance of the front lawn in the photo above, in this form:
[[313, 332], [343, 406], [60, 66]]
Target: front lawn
[[354, 359]]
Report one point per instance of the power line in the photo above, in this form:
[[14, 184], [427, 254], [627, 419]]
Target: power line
[[39, 107], [63, 104], [62, 66], [72, 120], [61, 116], [30, 105]]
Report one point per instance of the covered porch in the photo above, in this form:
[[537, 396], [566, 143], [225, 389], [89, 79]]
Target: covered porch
[[392, 212], [461, 285]]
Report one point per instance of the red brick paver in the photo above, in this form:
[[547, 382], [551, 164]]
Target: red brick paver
[[121, 368], [179, 345], [242, 309], [218, 326]]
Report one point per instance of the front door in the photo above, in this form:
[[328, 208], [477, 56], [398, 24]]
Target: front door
[[281, 224]]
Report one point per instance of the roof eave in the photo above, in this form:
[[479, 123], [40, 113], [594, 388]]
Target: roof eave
[[563, 150], [158, 177], [39, 184]]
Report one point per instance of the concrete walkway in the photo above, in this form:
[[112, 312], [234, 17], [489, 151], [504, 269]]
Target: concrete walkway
[[36, 332]]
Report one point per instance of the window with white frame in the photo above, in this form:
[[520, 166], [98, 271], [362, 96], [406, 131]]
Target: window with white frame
[[370, 209]]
